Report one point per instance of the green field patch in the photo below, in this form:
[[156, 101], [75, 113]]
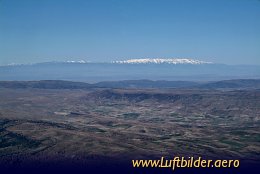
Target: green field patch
[[131, 115], [95, 129], [174, 114], [233, 144]]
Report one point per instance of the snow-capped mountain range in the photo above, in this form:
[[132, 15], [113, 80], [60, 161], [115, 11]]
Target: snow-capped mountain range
[[129, 61], [160, 61], [131, 69]]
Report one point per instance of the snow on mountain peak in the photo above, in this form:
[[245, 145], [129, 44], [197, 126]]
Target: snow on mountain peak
[[160, 61], [76, 61]]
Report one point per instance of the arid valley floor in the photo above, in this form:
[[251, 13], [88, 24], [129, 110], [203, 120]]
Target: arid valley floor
[[88, 125]]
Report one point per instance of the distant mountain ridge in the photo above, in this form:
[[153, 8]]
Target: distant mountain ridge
[[135, 84], [146, 84], [132, 69]]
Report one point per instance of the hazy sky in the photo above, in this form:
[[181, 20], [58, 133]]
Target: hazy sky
[[221, 31]]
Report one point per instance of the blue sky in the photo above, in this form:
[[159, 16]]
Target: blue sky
[[221, 31]]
